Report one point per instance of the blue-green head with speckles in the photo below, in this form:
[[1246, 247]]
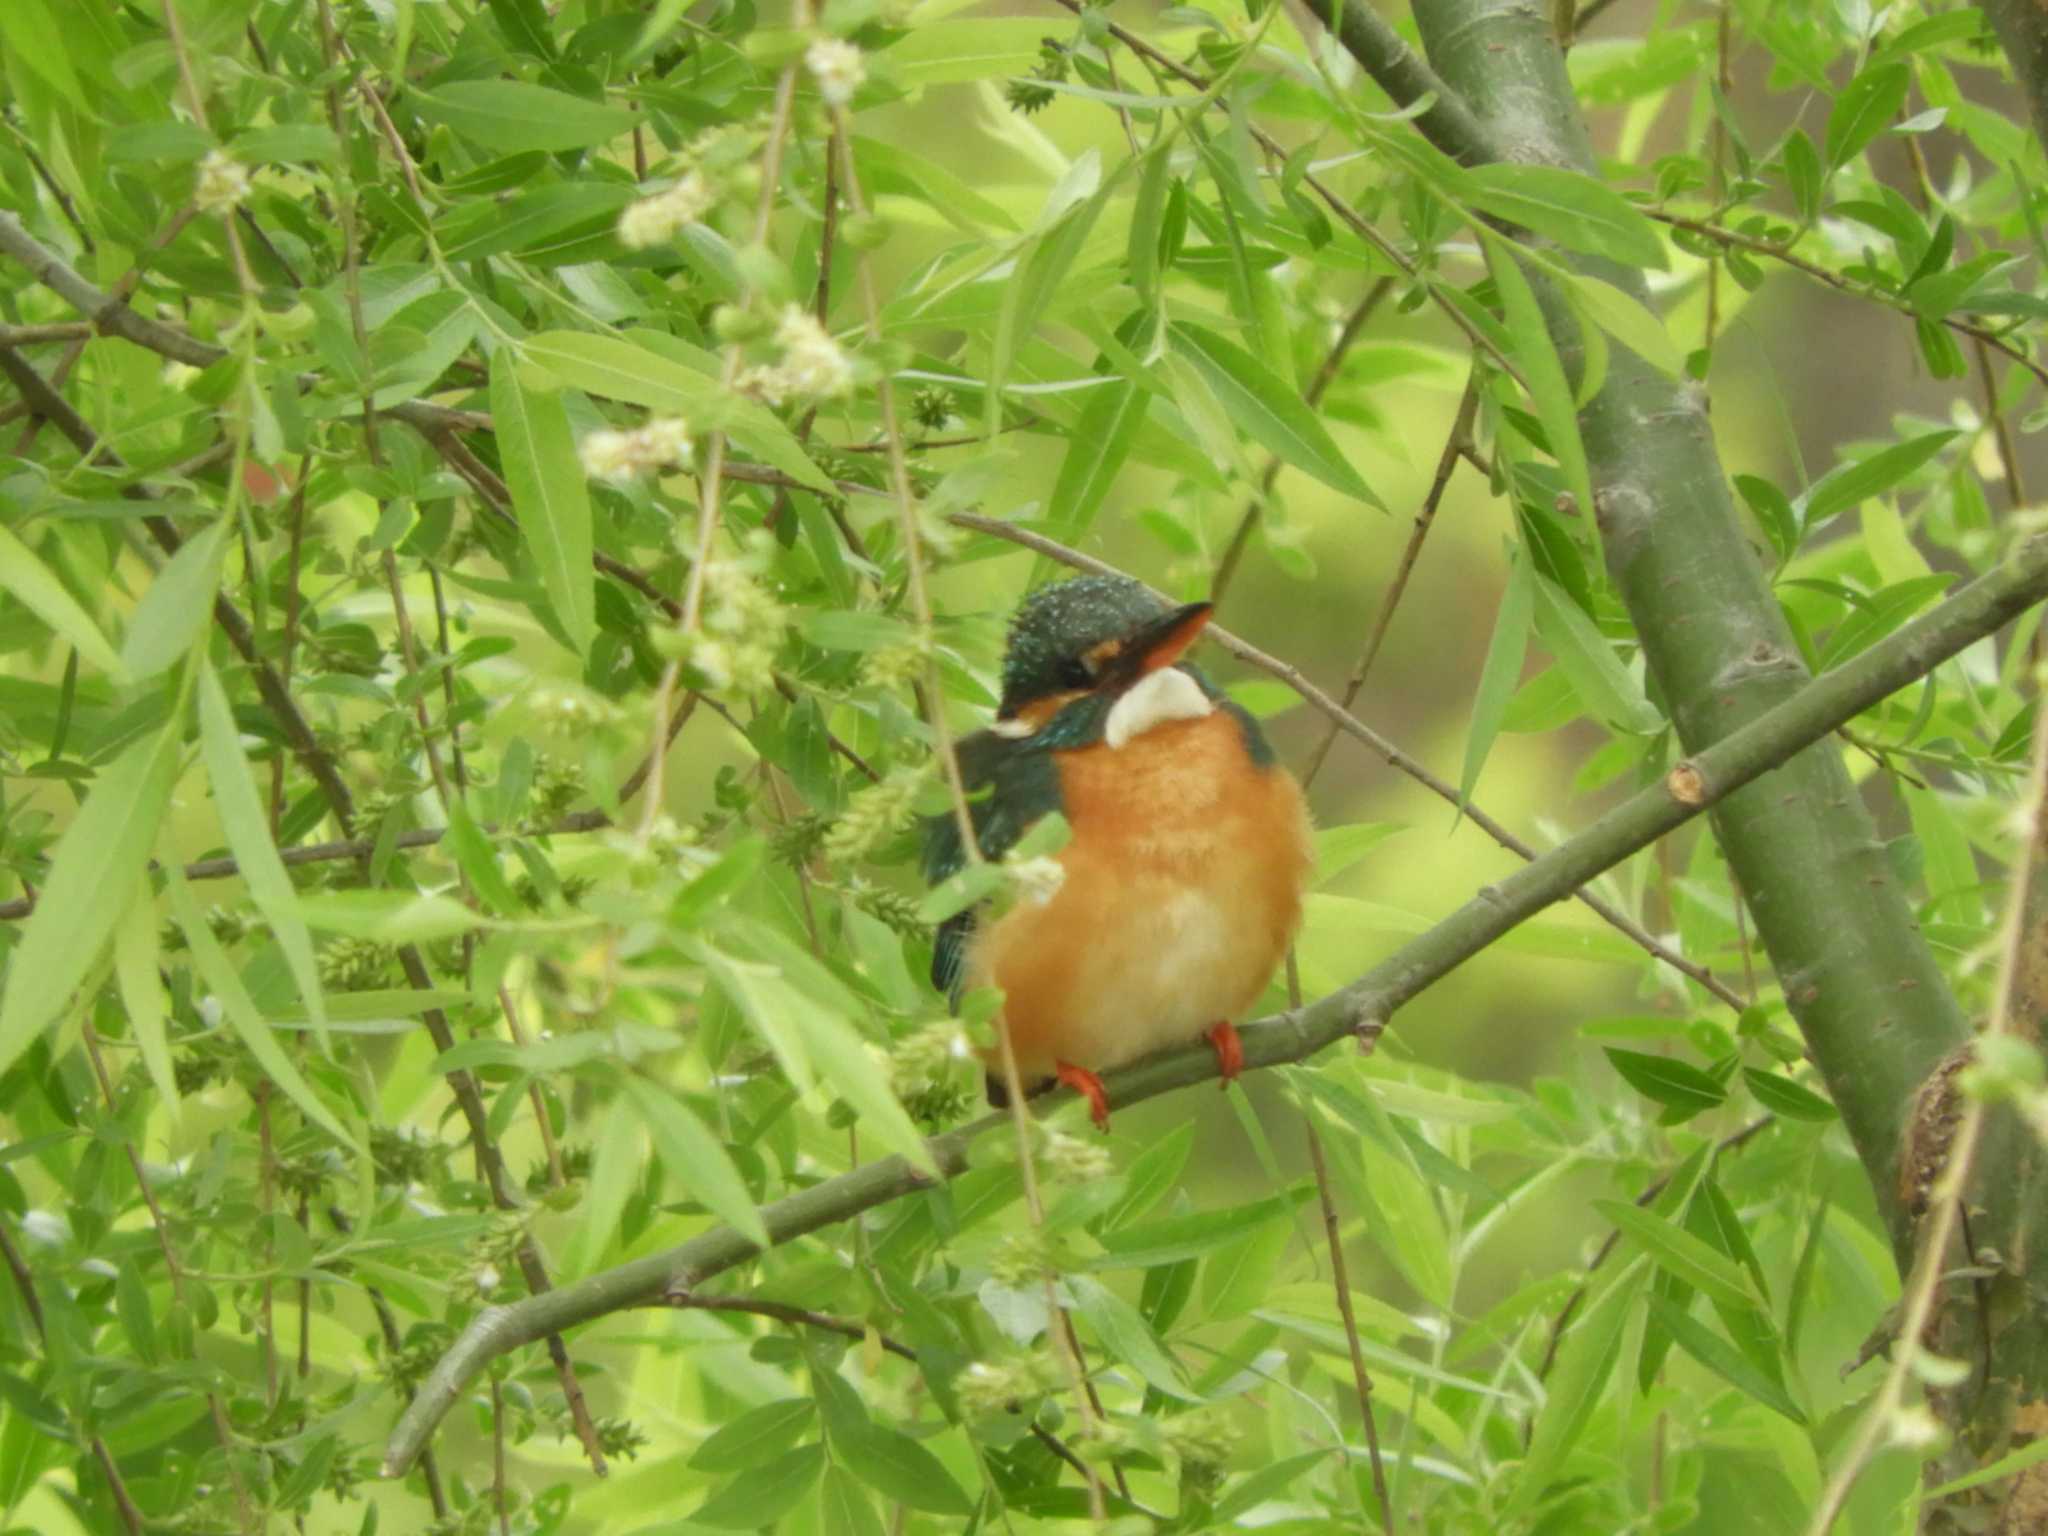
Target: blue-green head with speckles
[[1066, 638]]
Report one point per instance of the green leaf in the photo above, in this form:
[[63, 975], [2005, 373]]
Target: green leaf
[[1847, 484], [1270, 410], [1573, 1392], [103, 851], [755, 1436], [696, 1160], [2009, 1465], [23, 574], [1678, 1251], [177, 605], [1669, 1082], [1628, 321], [1548, 389], [1583, 654], [1096, 451], [136, 953], [1803, 174], [1128, 1337], [759, 1497], [801, 1010], [1569, 207], [509, 116], [1238, 1276], [388, 917], [35, 36], [843, 1509], [248, 833], [1502, 672], [549, 494], [1865, 109], [1722, 1358], [898, 1468], [638, 374], [240, 1011], [1781, 1096]]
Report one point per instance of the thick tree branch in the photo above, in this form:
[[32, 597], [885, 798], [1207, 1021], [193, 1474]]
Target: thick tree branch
[[2022, 28], [1858, 977], [1744, 755]]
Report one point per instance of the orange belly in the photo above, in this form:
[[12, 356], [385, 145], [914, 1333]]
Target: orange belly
[[1183, 889]]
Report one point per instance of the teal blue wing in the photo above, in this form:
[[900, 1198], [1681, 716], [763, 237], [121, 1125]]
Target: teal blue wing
[[1010, 783]]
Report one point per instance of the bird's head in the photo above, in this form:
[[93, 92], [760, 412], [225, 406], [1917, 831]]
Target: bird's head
[[1091, 637]]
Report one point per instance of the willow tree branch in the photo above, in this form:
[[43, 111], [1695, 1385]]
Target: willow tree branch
[[110, 315], [1341, 719], [1398, 70], [2022, 28], [1743, 756], [1860, 980]]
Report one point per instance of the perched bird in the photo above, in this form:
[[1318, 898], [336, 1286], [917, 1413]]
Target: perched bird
[[1182, 879]]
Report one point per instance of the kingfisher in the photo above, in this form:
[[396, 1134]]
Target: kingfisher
[[1182, 879]]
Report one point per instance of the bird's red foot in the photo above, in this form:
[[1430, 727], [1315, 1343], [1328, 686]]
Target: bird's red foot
[[1229, 1051], [1089, 1086]]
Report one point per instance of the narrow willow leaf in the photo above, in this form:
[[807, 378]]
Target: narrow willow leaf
[[549, 494], [1722, 1358], [758, 1435], [1569, 207], [897, 1467], [104, 849], [136, 952], [2010, 1465], [1147, 217], [1541, 371], [1502, 672], [843, 1509], [39, 591], [1603, 684], [665, 380], [509, 116], [1672, 1083], [221, 978], [1847, 484], [1127, 1337], [1865, 109], [1270, 410], [1629, 322], [759, 1497], [248, 834], [1782, 1096], [1096, 451], [1042, 265], [696, 1160], [388, 917], [1677, 1250], [177, 605], [1574, 1390]]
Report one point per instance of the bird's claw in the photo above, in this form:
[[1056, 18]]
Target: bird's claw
[[1229, 1050], [1089, 1086]]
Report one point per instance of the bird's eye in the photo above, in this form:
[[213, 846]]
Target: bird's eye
[[1074, 673]]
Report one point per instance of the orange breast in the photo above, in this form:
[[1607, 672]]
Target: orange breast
[[1183, 888]]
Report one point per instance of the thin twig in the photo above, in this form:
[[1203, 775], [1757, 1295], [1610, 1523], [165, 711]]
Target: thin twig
[[1786, 256], [1340, 1278], [1461, 434], [1353, 726]]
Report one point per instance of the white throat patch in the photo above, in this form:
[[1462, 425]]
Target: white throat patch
[[1168, 694]]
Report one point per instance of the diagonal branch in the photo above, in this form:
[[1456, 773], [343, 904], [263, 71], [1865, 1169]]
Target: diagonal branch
[[1739, 758]]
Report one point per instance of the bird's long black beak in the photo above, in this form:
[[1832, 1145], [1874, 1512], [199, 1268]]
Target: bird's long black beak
[[1159, 644]]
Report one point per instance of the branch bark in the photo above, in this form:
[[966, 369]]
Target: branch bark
[[1858, 977], [1744, 755]]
